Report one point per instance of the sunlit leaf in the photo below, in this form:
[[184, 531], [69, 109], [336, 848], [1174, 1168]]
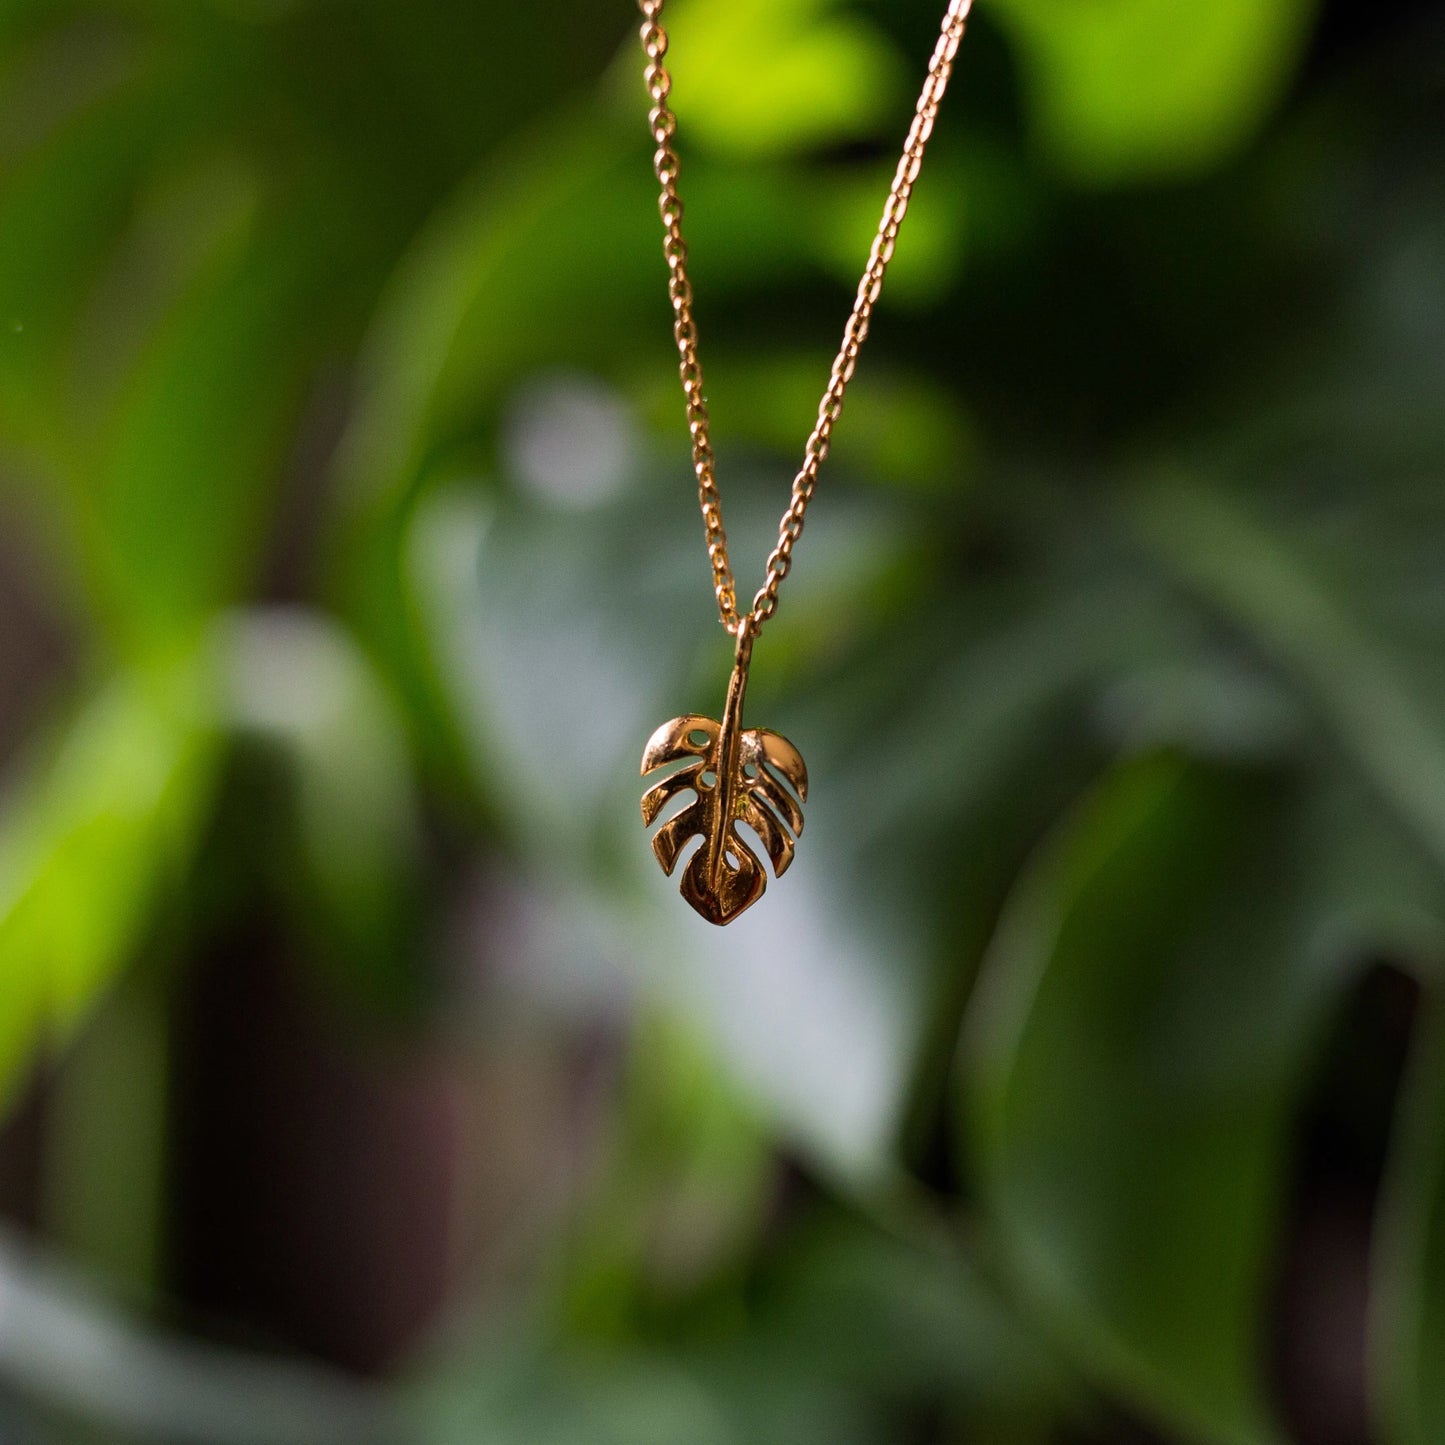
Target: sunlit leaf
[[763, 77], [845, 217], [1125, 90], [89, 844]]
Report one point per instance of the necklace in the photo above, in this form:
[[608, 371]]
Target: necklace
[[737, 775]]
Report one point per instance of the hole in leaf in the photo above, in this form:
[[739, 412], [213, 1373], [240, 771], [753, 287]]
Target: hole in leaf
[[665, 817], [698, 738], [774, 815], [708, 779], [784, 784]]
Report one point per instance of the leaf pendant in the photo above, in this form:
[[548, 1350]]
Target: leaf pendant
[[751, 776]]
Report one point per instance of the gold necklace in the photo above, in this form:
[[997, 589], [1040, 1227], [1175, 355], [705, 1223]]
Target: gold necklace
[[738, 775]]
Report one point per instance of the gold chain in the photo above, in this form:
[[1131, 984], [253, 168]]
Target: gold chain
[[665, 163]]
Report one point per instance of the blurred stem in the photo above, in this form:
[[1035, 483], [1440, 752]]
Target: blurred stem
[[105, 1149]]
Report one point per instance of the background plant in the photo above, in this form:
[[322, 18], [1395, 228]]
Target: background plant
[[1085, 1077]]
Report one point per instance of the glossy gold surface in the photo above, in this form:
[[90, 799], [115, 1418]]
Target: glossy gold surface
[[739, 775], [736, 775]]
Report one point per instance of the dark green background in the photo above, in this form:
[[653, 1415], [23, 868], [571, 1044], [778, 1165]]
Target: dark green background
[[1084, 1081]]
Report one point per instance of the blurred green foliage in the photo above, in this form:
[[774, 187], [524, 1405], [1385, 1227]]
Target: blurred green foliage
[[338, 411]]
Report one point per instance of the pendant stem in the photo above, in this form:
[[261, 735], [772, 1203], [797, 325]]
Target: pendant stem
[[730, 741]]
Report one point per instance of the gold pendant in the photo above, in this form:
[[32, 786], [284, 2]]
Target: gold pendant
[[737, 777]]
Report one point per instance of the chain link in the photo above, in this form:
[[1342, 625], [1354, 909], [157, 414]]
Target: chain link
[[663, 123]]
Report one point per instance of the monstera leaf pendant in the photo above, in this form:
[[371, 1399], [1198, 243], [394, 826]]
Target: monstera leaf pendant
[[736, 775]]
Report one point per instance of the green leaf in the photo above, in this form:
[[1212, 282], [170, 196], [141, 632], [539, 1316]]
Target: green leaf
[[683, 1199], [902, 427], [179, 251], [63, 207], [766, 78], [845, 218], [1348, 638], [849, 1327], [89, 845], [1161, 980], [1129, 90], [895, 1316], [200, 429], [1382, 713]]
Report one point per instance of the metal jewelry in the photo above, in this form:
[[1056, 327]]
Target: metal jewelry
[[751, 776]]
